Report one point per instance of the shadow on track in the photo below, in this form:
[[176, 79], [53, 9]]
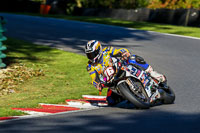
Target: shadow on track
[[68, 35], [140, 121]]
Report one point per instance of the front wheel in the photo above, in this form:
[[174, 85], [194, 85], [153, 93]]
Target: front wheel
[[168, 96], [137, 96]]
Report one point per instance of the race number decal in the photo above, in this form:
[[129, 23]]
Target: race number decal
[[109, 72]]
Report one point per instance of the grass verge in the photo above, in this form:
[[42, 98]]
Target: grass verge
[[163, 28], [65, 76]]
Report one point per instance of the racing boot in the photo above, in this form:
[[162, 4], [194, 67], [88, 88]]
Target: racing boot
[[113, 98]]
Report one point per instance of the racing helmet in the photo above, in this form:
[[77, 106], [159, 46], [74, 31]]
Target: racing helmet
[[93, 50]]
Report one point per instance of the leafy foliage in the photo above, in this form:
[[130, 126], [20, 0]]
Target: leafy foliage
[[114, 4], [133, 4], [174, 4], [14, 75]]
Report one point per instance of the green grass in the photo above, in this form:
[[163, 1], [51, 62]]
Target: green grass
[[4, 112], [179, 30], [65, 73], [65, 76], [163, 28]]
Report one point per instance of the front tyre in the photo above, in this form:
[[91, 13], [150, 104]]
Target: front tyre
[[168, 96], [133, 97]]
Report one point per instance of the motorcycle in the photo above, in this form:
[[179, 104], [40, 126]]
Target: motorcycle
[[128, 79]]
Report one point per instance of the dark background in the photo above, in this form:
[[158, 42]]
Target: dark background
[[136, 13]]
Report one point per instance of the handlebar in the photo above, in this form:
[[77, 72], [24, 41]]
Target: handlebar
[[118, 63]]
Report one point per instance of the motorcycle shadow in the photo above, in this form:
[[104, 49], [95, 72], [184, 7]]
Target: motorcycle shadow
[[128, 105]]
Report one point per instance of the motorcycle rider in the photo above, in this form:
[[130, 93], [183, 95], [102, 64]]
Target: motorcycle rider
[[97, 61]]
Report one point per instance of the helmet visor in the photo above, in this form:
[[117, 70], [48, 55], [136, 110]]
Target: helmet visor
[[94, 54]]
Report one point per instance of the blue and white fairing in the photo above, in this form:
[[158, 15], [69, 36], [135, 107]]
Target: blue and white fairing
[[140, 74], [133, 61]]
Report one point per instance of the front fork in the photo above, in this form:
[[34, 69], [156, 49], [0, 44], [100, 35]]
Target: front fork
[[153, 95]]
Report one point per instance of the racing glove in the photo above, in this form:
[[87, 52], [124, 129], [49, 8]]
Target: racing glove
[[125, 55]]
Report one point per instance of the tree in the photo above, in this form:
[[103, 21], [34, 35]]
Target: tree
[[174, 4]]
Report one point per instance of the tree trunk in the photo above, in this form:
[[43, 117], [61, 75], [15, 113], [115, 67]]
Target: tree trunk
[[187, 17]]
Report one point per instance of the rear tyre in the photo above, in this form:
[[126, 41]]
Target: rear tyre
[[133, 96]]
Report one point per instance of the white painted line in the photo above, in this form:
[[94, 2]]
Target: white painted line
[[56, 105], [35, 113], [168, 34], [93, 96], [83, 105], [74, 105]]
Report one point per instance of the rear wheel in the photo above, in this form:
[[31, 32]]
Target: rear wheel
[[136, 95]]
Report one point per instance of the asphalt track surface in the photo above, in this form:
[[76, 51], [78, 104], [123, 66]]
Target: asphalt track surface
[[176, 57]]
